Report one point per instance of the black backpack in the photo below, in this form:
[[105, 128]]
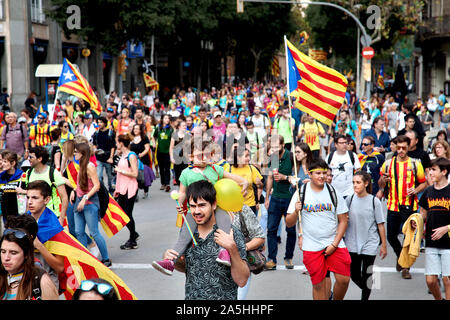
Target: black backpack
[[331, 191], [350, 153]]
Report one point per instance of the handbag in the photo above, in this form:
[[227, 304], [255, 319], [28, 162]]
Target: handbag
[[255, 258]]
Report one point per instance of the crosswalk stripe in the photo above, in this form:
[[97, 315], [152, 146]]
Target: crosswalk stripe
[[136, 266]]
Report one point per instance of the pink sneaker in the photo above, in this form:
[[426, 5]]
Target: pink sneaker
[[224, 257], [164, 266]]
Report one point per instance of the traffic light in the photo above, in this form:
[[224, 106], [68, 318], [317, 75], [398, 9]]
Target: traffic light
[[121, 64], [240, 6]]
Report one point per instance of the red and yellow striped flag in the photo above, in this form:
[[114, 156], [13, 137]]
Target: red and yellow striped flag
[[150, 82], [79, 263], [321, 90], [72, 82], [113, 218], [275, 67]]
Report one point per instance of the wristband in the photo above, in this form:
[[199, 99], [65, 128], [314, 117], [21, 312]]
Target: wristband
[[334, 246]]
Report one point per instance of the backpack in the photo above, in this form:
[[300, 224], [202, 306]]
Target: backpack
[[36, 291], [331, 191], [51, 171], [7, 130], [141, 175], [350, 153], [373, 208]]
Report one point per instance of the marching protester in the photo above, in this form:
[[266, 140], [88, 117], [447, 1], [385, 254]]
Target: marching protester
[[20, 278], [365, 231], [205, 279], [323, 218]]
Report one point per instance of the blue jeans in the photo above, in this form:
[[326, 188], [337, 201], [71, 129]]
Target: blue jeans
[[277, 208], [71, 222], [108, 168], [89, 216]]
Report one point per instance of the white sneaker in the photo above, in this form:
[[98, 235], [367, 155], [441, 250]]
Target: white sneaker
[[95, 251]]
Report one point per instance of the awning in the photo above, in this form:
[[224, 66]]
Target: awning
[[50, 70]]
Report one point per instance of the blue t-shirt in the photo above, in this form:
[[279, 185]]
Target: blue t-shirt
[[238, 98]]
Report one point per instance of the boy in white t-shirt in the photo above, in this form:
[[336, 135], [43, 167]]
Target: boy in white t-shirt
[[324, 218], [343, 164]]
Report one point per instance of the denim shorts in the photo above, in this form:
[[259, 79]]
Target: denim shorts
[[437, 262]]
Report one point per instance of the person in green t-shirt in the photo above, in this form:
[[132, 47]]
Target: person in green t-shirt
[[278, 204], [38, 157], [200, 169], [163, 134], [282, 127]]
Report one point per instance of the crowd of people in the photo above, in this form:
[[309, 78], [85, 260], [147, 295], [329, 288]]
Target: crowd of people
[[383, 161]]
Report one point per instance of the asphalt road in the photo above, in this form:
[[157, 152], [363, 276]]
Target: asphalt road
[[155, 222]]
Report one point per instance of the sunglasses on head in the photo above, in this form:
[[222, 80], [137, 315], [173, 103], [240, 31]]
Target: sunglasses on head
[[19, 234], [101, 288]]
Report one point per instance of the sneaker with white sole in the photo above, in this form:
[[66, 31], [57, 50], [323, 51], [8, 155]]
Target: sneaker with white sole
[[94, 251], [224, 258], [164, 266]]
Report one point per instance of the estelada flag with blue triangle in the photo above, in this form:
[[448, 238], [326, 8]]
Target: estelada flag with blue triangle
[[318, 89], [73, 82], [380, 80]]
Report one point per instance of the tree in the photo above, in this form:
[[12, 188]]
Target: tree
[[332, 27]]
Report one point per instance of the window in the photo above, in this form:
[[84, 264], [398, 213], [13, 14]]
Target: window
[[2, 6], [37, 12]]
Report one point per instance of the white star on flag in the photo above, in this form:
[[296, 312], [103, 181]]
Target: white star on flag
[[68, 75]]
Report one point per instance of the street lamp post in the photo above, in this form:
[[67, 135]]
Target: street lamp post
[[366, 40]]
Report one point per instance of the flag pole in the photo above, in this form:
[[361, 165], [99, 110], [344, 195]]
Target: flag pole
[[290, 109], [292, 130]]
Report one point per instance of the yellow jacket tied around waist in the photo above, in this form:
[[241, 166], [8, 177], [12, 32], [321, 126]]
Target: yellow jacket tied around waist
[[411, 244]]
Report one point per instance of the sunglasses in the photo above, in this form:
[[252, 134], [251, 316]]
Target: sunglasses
[[101, 288], [17, 233], [366, 144], [41, 118]]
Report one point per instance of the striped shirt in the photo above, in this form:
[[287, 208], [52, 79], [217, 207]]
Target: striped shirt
[[41, 135], [409, 176]]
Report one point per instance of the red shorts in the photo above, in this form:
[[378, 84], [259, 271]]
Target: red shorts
[[318, 265]]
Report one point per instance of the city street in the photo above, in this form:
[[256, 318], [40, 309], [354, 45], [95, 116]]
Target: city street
[[155, 222]]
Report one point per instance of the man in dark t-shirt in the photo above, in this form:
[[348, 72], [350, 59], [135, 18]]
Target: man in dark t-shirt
[[435, 209], [104, 141]]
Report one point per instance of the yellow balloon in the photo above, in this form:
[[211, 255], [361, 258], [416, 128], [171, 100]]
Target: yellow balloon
[[228, 195]]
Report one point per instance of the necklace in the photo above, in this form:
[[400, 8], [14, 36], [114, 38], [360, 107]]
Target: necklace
[[14, 280]]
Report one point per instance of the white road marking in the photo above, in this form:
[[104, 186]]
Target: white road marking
[[145, 266]]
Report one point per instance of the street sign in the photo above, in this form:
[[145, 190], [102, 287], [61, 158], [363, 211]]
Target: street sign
[[368, 53]]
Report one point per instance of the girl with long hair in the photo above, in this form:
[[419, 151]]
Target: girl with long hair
[[18, 270], [364, 232], [303, 158], [141, 146], [87, 204], [127, 186]]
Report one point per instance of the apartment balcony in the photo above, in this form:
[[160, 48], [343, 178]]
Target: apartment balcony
[[435, 27]]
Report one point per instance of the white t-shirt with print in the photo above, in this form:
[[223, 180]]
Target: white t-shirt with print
[[319, 218], [342, 169]]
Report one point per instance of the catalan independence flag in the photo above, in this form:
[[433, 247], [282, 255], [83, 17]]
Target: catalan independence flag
[[318, 89], [275, 67], [79, 263], [72, 82], [113, 218], [380, 80]]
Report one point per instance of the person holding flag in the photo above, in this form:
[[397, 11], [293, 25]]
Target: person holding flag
[[62, 252], [72, 82], [380, 80]]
